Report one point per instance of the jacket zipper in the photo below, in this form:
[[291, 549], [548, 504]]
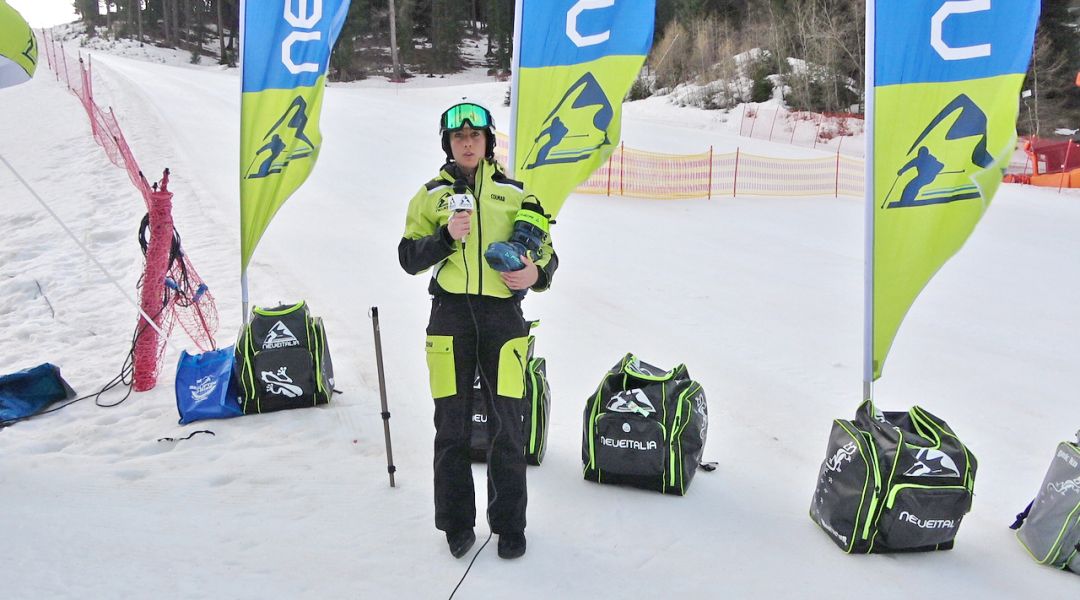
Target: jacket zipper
[[479, 233]]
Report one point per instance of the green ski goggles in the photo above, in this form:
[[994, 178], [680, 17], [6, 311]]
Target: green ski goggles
[[458, 116]]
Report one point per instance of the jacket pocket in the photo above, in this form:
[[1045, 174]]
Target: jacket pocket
[[512, 368], [441, 369]]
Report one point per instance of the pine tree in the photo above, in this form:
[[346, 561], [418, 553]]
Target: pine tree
[[88, 13], [406, 27], [344, 53], [500, 30], [1055, 100], [446, 31]]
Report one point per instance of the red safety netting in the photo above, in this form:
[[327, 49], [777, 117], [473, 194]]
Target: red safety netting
[[171, 290]]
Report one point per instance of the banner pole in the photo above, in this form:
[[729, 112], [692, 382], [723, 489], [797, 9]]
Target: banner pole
[[240, 183], [515, 81], [243, 296], [868, 265]]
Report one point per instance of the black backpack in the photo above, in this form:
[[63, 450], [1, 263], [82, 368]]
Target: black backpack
[[893, 482], [645, 427], [534, 421], [283, 360]]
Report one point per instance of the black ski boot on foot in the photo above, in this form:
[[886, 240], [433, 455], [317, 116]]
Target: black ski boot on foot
[[511, 545], [460, 541]]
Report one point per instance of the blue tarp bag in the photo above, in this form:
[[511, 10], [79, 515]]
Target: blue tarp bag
[[29, 391], [205, 388]]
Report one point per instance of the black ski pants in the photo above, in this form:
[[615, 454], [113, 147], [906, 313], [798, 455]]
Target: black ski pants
[[467, 333]]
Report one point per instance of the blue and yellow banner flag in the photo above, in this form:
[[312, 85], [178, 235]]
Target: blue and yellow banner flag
[[286, 48], [18, 48], [576, 60], [945, 97]]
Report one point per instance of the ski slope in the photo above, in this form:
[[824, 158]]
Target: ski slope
[[760, 297]]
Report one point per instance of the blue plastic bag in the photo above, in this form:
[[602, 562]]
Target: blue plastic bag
[[30, 391], [205, 388]]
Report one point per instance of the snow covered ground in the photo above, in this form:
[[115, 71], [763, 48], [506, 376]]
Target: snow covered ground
[[760, 297]]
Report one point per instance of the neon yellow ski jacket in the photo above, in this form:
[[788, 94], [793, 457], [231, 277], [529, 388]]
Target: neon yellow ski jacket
[[460, 267]]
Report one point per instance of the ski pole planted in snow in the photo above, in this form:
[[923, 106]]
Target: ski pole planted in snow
[[390, 468]]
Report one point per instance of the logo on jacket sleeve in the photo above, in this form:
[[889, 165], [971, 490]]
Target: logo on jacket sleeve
[[279, 336]]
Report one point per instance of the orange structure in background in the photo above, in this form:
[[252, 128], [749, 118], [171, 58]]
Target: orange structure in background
[[1054, 163]]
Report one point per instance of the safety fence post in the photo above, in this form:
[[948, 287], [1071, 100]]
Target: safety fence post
[[710, 171], [90, 79], [609, 158], [48, 55], [837, 194], [1064, 164], [56, 65], [735, 180], [773, 126], [622, 161], [63, 55], [147, 342], [88, 95]]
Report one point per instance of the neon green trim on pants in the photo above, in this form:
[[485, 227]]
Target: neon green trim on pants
[[441, 369], [512, 367]]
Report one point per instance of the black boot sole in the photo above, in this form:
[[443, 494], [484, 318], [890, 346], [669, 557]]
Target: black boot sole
[[511, 553], [462, 549]]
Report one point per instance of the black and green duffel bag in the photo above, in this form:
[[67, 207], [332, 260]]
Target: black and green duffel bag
[[645, 427], [893, 482], [1049, 528], [283, 361], [534, 421]]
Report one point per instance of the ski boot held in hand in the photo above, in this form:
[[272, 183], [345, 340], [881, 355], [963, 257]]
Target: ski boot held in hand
[[531, 227]]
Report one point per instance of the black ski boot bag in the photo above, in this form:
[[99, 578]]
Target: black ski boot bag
[[283, 360], [893, 482], [645, 427]]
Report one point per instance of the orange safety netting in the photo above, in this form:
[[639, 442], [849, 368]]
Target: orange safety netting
[[630, 172]]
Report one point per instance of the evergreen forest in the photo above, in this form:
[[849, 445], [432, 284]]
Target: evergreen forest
[[810, 52]]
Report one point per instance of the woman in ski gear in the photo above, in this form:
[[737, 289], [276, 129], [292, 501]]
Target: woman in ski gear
[[476, 332]]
